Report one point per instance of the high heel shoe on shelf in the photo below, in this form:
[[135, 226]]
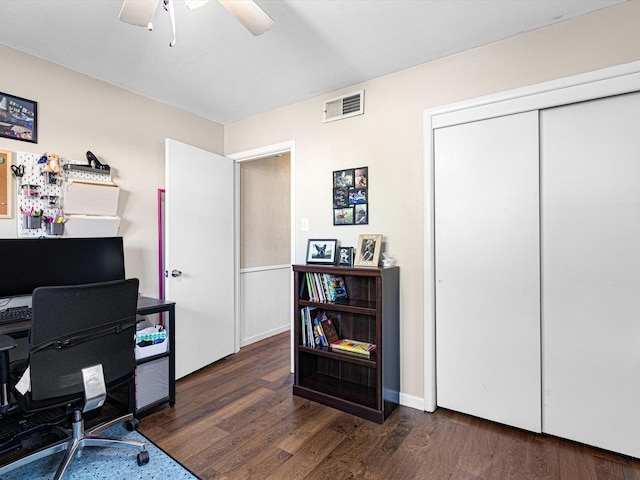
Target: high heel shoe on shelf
[[95, 163]]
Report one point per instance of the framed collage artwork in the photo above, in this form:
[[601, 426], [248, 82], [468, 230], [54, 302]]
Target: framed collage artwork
[[351, 196], [18, 118]]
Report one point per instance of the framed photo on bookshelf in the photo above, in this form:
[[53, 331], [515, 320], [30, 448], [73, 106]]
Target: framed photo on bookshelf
[[345, 256], [368, 251], [322, 251]]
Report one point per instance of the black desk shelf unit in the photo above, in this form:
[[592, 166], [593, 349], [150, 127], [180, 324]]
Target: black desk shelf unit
[[366, 387], [157, 369]]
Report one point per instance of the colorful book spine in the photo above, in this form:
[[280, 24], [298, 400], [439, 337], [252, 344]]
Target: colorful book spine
[[310, 287]]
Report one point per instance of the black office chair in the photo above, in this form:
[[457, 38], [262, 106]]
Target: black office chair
[[81, 345]]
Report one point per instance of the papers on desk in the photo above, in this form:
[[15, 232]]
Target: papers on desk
[[24, 384]]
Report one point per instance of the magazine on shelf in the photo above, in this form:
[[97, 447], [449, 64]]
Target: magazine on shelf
[[346, 345]]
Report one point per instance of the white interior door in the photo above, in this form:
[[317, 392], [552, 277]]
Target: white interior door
[[487, 269], [200, 254], [590, 170]]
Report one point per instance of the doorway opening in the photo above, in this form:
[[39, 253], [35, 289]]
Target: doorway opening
[[265, 247]]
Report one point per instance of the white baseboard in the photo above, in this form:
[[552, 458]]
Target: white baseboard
[[412, 402], [270, 333]]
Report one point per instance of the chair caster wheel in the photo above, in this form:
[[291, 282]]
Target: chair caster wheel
[[132, 425], [143, 458]]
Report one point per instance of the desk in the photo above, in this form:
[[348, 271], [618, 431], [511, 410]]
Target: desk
[[146, 306]]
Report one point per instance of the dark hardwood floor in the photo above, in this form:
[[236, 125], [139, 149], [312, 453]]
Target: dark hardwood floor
[[237, 419]]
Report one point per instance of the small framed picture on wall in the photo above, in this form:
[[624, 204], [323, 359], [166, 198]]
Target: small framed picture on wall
[[343, 216]]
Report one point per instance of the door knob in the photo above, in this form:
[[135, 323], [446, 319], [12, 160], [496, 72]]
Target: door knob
[[176, 273]]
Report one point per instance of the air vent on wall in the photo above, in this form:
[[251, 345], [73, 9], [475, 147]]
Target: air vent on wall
[[344, 107]]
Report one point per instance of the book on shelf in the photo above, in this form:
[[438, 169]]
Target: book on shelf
[[329, 330], [303, 329], [311, 332], [307, 333], [318, 327], [311, 287], [355, 347], [325, 287], [337, 289]]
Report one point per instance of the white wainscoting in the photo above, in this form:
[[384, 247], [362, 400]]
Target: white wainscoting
[[265, 302]]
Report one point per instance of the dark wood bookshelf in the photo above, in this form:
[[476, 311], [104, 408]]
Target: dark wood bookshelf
[[368, 387]]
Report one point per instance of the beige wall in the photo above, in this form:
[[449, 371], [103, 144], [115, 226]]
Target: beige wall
[[127, 131], [388, 139], [265, 212], [77, 113]]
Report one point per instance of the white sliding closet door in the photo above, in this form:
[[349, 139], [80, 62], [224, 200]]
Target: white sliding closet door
[[590, 170], [488, 269]]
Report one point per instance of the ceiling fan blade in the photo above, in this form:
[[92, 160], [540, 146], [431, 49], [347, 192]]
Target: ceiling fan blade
[[249, 14], [138, 12]]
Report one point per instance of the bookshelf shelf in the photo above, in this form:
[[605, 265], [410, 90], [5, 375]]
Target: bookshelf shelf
[[363, 307], [364, 386], [343, 357]]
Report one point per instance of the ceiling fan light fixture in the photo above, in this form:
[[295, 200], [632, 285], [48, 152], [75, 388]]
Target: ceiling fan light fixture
[[191, 4], [249, 14], [139, 13]]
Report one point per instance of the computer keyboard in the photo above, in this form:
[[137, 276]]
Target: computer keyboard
[[15, 314]]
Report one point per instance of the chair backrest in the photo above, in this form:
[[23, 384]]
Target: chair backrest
[[78, 326]]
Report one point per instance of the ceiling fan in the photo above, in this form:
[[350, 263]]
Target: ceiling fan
[[247, 12]]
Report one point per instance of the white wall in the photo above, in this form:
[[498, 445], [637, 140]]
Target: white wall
[[388, 138], [77, 113]]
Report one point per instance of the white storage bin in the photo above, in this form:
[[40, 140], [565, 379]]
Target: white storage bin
[[150, 350]]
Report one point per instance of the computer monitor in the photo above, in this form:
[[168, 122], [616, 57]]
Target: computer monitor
[[28, 263]]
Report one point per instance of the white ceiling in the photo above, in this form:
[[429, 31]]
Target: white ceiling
[[219, 71]]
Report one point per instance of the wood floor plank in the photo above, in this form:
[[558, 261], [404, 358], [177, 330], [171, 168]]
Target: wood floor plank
[[237, 419], [264, 461], [268, 438], [308, 455], [308, 429]]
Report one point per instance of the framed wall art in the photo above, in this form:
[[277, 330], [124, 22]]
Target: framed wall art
[[368, 250], [322, 251], [351, 196], [18, 118]]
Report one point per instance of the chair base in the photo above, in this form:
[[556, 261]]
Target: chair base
[[79, 438]]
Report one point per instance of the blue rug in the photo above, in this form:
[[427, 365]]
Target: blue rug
[[107, 463]]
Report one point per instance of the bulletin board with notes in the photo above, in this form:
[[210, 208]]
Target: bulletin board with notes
[[6, 194]]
